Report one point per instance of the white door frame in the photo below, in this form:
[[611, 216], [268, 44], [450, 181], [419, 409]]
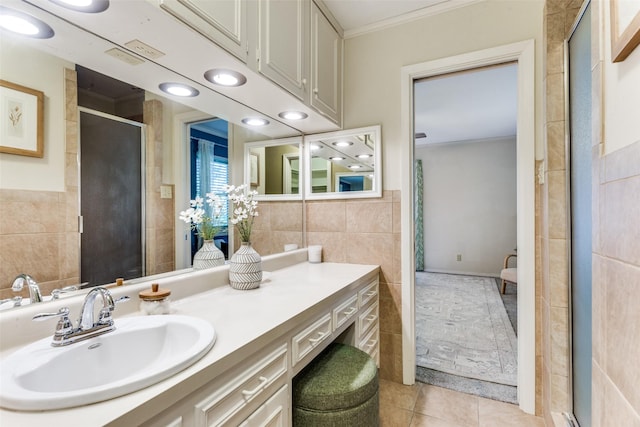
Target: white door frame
[[524, 54]]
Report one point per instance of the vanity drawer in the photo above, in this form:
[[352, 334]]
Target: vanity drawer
[[368, 319], [371, 344], [367, 294], [273, 413], [310, 338], [345, 311], [219, 408]]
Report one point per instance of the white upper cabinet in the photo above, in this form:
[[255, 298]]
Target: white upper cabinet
[[326, 66], [283, 44], [222, 21]]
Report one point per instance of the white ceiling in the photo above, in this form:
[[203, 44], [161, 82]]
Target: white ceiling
[[468, 106], [357, 14]]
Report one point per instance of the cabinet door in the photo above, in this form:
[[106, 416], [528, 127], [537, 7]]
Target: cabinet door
[[326, 66], [222, 21], [283, 43]]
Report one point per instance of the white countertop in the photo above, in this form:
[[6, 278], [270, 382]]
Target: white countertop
[[242, 320]]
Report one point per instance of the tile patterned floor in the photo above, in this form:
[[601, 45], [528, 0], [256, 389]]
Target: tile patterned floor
[[423, 405]]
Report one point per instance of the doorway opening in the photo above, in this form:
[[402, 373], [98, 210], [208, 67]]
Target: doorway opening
[[523, 53], [465, 225], [209, 173]]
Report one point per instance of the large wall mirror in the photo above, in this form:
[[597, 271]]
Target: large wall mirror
[[274, 168], [344, 164], [41, 64]]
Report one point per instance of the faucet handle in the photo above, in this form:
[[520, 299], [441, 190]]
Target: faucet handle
[[104, 317], [64, 312], [55, 294], [64, 326]]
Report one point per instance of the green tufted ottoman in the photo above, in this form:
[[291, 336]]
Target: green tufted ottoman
[[339, 388]]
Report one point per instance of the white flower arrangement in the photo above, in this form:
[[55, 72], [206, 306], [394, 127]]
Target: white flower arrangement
[[199, 220], [245, 209]]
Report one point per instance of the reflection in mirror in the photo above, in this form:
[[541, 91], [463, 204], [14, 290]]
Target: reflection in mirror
[[40, 197], [274, 168], [344, 164]]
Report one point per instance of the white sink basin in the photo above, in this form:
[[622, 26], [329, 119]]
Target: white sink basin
[[140, 352]]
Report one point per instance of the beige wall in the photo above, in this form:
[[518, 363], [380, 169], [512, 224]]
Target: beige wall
[[34, 69], [616, 230], [469, 200], [372, 96]]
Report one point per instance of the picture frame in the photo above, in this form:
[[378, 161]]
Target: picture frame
[[625, 28], [21, 120], [254, 169]]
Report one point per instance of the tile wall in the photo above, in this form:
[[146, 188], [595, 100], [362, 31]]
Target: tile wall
[[553, 299], [366, 231]]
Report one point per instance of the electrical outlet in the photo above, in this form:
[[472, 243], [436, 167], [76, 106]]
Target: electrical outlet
[[459, 257], [165, 192]]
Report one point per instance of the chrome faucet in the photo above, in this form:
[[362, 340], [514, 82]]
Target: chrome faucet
[[34, 291], [86, 320], [87, 327]]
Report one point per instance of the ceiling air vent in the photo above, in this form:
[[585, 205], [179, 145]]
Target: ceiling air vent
[[124, 56]]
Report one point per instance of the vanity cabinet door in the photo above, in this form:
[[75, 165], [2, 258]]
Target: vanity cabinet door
[[222, 21], [283, 39], [326, 66]]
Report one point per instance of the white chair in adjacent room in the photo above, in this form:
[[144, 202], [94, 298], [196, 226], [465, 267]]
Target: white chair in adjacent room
[[508, 274]]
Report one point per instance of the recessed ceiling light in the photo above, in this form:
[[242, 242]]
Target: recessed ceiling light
[[87, 6], [315, 146], [293, 115], [363, 156], [24, 24], [255, 121], [179, 89], [342, 143], [336, 158], [354, 166], [224, 77]]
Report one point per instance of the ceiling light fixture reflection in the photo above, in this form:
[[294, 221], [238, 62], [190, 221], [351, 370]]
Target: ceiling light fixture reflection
[[86, 6], [225, 77], [342, 143], [336, 158], [293, 115], [364, 156], [24, 24], [255, 121], [314, 147], [354, 166], [179, 89]]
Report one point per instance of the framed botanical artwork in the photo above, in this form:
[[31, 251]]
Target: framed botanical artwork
[[21, 120], [625, 28], [254, 169]]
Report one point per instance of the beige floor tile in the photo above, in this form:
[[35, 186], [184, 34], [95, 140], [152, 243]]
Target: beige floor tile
[[399, 395], [393, 416], [427, 421], [448, 405], [499, 414]]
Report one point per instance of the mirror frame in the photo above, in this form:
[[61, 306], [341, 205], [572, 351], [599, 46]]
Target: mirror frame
[[274, 143], [377, 157]]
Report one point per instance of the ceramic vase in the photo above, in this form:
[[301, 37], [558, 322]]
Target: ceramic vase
[[245, 268], [208, 256]]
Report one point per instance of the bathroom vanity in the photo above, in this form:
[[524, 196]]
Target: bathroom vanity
[[264, 338]]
